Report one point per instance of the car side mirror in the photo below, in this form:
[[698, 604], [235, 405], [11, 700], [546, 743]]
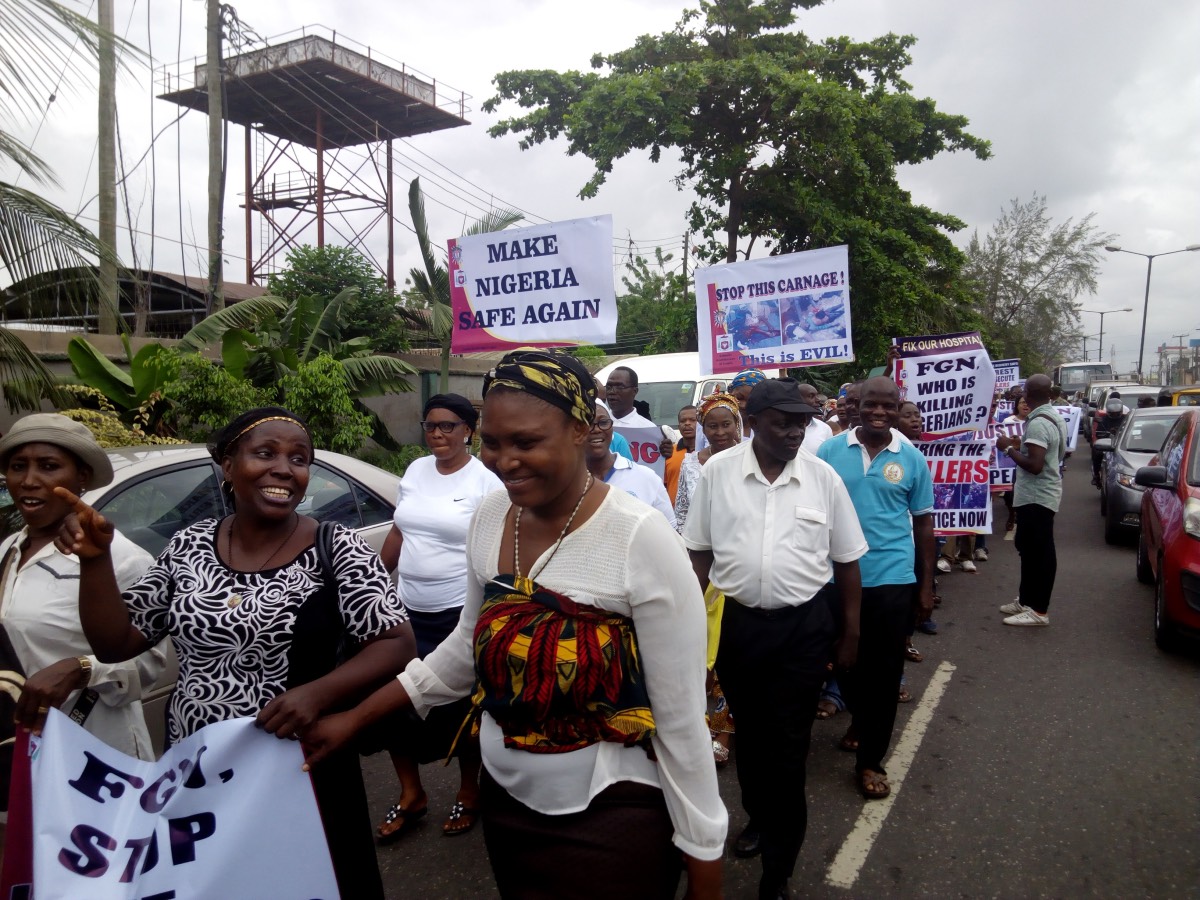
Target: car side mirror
[[1153, 477], [1104, 445]]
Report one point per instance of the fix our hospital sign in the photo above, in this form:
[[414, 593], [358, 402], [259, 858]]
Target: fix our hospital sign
[[547, 285]]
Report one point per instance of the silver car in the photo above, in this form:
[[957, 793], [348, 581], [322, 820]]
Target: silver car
[[1138, 439], [158, 490]]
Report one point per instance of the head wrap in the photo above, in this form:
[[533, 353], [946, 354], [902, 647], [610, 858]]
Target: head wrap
[[747, 378], [550, 375], [722, 401], [222, 443], [455, 403]]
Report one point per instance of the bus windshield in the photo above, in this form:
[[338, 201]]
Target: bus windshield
[[1074, 377]]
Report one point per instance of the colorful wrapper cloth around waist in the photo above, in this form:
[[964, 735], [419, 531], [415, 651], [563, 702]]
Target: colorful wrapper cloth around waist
[[555, 675]]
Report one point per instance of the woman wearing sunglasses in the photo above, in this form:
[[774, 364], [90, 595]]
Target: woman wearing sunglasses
[[428, 547]]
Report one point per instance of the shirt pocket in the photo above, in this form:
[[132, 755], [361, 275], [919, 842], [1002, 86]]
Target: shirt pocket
[[811, 530]]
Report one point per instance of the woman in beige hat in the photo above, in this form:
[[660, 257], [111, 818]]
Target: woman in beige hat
[[39, 589]]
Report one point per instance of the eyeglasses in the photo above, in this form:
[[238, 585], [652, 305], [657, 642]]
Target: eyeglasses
[[603, 424], [443, 427]]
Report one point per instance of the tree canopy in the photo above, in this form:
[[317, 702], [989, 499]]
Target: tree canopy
[[656, 314], [1025, 278], [788, 143], [324, 272]]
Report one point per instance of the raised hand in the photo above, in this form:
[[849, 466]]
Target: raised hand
[[84, 531]]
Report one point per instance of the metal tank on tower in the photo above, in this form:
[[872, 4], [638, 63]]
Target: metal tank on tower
[[320, 116]]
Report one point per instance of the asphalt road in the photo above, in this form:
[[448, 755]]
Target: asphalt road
[[1057, 762]]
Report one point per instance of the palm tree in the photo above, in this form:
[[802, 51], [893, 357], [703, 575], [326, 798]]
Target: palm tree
[[37, 238], [431, 286]]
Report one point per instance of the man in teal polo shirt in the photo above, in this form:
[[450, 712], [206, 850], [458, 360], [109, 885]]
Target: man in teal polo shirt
[[889, 484]]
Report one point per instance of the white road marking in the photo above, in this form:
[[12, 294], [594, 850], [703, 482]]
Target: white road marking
[[852, 856]]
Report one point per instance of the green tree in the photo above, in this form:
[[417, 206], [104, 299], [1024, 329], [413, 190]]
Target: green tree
[[657, 313], [205, 397], [324, 272], [428, 309], [37, 238], [786, 141], [320, 392], [1025, 278]]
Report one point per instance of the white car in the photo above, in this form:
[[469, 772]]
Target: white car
[[157, 490]]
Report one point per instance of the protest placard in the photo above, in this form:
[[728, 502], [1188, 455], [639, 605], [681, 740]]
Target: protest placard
[[546, 285], [643, 443], [1008, 373], [962, 501], [226, 812], [777, 312], [950, 377]]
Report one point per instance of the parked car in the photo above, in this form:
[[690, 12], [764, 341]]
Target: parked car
[[1136, 443], [158, 490], [1169, 547], [1094, 400]]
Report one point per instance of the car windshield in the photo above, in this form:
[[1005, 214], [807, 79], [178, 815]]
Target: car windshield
[[1145, 434], [665, 399]]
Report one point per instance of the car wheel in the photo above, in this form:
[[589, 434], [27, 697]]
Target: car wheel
[[1144, 573], [1164, 632], [1113, 533]]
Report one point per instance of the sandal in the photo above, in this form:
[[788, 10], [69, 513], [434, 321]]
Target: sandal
[[849, 742], [873, 785], [912, 654], [406, 818], [462, 819], [904, 696], [827, 709], [720, 754]]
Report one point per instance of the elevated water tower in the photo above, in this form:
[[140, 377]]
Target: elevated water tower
[[304, 100]]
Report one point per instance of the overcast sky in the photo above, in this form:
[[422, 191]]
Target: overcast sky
[[1093, 103]]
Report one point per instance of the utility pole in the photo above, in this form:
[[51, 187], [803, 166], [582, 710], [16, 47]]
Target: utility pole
[[686, 235], [108, 308], [216, 163]]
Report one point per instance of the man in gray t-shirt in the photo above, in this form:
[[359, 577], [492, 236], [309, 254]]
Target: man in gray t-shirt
[[1036, 496]]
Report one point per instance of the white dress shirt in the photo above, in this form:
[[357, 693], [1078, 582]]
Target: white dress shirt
[[632, 419], [773, 543], [39, 607], [640, 482], [816, 434], [627, 560]]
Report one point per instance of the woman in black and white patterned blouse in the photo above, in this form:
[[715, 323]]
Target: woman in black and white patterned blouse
[[257, 621]]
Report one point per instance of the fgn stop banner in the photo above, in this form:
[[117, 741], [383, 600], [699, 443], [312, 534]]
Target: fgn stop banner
[[778, 312], [962, 502], [546, 286], [226, 812], [950, 377], [643, 444]]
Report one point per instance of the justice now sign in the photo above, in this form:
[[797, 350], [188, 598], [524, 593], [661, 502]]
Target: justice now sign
[[226, 812]]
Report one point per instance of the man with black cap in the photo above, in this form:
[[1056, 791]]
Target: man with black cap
[[771, 527]]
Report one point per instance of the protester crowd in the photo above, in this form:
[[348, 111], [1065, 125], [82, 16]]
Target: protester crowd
[[589, 639]]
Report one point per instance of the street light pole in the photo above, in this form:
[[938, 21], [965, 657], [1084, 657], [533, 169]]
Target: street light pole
[[1150, 257], [1102, 313]]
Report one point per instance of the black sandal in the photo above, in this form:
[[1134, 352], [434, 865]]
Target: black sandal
[[459, 812], [407, 820]]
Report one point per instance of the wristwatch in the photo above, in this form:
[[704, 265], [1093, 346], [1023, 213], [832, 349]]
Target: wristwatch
[[85, 666]]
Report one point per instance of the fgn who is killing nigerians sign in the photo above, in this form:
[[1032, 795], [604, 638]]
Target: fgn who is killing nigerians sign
[[548, 285], [950, 377]]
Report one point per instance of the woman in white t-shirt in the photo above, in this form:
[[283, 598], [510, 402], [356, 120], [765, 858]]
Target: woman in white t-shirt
[[428, 547]]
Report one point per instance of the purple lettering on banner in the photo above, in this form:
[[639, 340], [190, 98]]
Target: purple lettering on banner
[[89, 862], [95, 776], [137, 846], [186, 832], [152, 801]]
